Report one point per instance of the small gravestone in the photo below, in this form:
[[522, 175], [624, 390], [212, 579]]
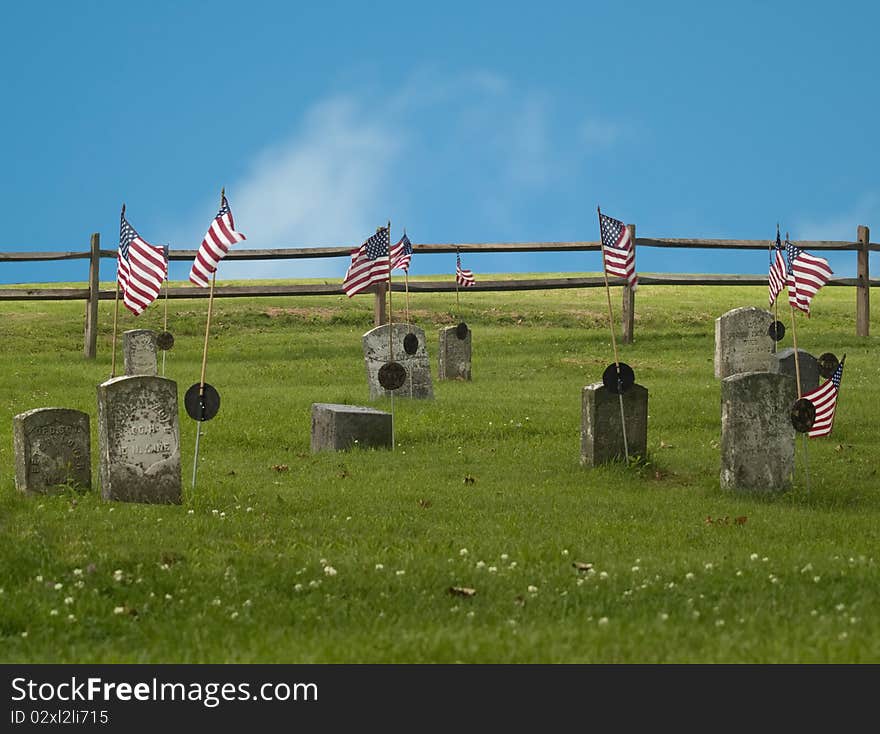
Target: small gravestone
[[601, 429], [341, 427], [757, 437], [379, 350], [455, 353], [52, 447], [139, 352], [783, 364], [743, 342], [139, 440]]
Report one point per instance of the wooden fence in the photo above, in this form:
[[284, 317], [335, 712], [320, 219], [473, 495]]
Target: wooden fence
[[92, 294]]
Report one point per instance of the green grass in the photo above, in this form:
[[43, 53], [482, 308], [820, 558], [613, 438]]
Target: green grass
[[237, 573]]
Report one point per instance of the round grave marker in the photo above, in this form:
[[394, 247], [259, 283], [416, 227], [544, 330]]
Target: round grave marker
[[392, 375], [201, 407], [410, 343], [165, 340], [776, 331], [618, 382], [803, 415], [827, 364]]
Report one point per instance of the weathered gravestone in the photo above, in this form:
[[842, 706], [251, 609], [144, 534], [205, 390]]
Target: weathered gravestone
[[455, 353], [139, 352], [757, 438], [52, 447], [743, 342], [139, 440], [601, 430], [413, 356], [339, 427], [783, 364]]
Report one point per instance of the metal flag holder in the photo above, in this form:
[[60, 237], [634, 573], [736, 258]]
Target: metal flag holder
[[392, 375], [202, 401], [777, 328], [618, 377], [165, 339]]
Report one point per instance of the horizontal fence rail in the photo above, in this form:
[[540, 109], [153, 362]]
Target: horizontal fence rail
[[862, 282]]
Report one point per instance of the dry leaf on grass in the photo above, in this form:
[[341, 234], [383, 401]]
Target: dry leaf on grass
[[462, 591]]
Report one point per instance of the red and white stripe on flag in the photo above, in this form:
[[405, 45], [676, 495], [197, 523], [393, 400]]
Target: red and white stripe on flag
[[824, 398], [808, 274], [370, 263], [463, 277], [617, 250], [141, 275], [221, 235], [776, 279]]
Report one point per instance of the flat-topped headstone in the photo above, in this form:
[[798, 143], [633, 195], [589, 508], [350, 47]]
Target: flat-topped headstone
[[455, 353], [52, 447], [340, 427], [783, 363], [601, 429], [743, 342], [410, 352], [139, 440], [757, 438], [139, 352]]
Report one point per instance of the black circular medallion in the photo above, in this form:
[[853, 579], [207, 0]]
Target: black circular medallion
[[803, 415], [201, 407], [410, 343], [392, 375], [776, 331], [165, 340], [618, 382], [827, 364], [461, 331]]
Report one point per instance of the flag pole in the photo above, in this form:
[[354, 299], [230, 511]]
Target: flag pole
[[613, 340], [165, 319], [457, 264], [797, 363], [770, 252], [405, 280], [205, 361], [116, 311]]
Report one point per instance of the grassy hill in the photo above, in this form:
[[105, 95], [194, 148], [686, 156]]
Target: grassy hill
[[279, 555]]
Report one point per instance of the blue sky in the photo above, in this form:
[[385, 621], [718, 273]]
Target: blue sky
[[463, 121]]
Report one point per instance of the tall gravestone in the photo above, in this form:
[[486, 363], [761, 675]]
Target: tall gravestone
[[139, 352], [783, 363], [743, 342], [757, 438], [407, 346], [601, 428], [52, 447], [455, 353], [139, 440]]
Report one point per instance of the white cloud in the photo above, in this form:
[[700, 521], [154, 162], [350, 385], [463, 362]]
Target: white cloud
[[864, 210]]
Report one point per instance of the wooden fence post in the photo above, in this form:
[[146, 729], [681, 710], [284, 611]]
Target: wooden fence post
[[629, 297], [90, 347], [863, 289], [379, 316]]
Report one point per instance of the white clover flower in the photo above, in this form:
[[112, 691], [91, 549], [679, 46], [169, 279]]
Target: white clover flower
[[233, 615], [463, 552], [708, 566], [80, 584], [118, 575], [663, 616], [314, 583], [68, 600], [215, 602], [635, 569], [565, 551], [689, 575], [248, 509], [481, 564], [719, 622], [39, 579], [739, 573], [401, 572], [298, 587], [77, 572], [118, 610], [470, 615], [25, 634], [816, 579], [59, 586], [379, 567], [493, 569], [840, 607], [603, 620], [71, 618], [533, 589], [168, 597], [247, 603], [753, 557], [53, 613], [215, 512], [807, 568], [580, 582], [603, 574], [504, 556], [512, 565], [329, 571], [190, 512]]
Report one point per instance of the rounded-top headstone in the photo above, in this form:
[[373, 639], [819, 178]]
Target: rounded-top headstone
[[139, 352], [742, 341], [52, 447]]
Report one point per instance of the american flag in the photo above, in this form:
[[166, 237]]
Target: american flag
[[141, 268], [806, 275], [778, 272], [370, 264], [617, 250], [401, 254], [824, 398], [221, 235], [463, 277]]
